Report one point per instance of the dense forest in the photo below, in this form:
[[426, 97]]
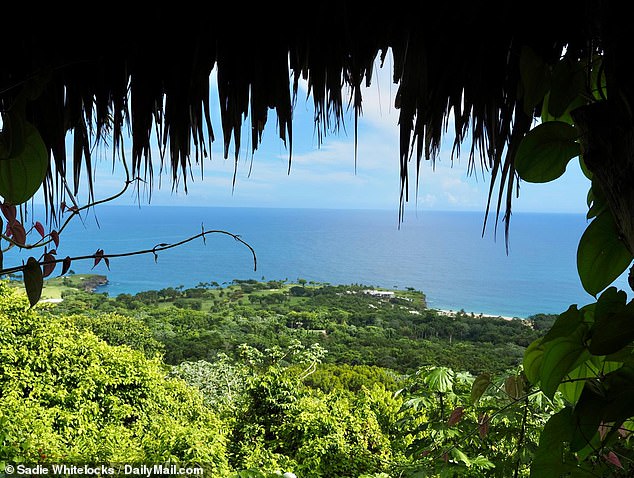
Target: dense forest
[[257, 379], [357, 324]]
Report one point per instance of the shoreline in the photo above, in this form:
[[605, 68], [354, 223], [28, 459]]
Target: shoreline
[[475, 315]]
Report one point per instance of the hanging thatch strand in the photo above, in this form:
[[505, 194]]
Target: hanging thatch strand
[[458, 62]]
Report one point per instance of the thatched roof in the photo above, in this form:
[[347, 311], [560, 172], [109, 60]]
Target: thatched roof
[[102, 76]]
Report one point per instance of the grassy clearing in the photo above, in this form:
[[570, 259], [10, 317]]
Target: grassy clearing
[[54, 287]]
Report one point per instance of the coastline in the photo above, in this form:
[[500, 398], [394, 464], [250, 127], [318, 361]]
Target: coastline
[[475, 315]]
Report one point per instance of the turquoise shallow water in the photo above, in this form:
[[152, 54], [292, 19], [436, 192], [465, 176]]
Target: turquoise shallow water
[[441, 253]]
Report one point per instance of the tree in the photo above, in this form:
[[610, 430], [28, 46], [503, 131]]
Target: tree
[[69, 396]]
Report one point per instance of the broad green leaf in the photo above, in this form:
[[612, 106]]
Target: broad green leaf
[[561, 356], [33, 280], [565, 323], [22, 175], [568, 84], [571, 390], [586, 418], [620, 385], [482, 462], [610, 301], [548, 459], [535, 79], [614, 323], [591, 448], [480, 384], [13, 134], [545, 151], [601, 255], [440, 379], [533, 357], [626, 354], [458, 455]]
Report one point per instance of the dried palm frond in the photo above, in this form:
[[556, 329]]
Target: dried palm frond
[[149, 73]]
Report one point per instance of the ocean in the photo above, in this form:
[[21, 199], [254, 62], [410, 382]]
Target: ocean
[[442, 254]]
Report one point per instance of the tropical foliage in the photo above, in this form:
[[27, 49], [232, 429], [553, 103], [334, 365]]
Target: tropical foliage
[[587, 354], [76, 387]]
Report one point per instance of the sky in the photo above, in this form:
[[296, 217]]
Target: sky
[[324, 176]]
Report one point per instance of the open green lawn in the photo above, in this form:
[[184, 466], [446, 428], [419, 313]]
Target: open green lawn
[[55, 286]]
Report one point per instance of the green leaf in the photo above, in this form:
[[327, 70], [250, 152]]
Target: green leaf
[[568, 84], [22, 175], [572, 390], [480, 384], [548, 459], [565, 323], [626, 354], [440, 379], [614, 323], [561, 356], [33, 280], [601, 255], [588, 414], [535, 79], [533, 357], [482, 463], [620, 386], [13, 134], [458, 455], [545, 151]]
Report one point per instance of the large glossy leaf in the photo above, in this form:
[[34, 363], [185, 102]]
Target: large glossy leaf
[[548, 459], [565, 323], [614, 323], [22, 175], [575, 380], [545, 152], [601, 255], [561, 356], [587, 416], [533, 361]]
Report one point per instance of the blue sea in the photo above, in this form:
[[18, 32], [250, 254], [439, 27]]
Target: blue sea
[[442, 254]]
